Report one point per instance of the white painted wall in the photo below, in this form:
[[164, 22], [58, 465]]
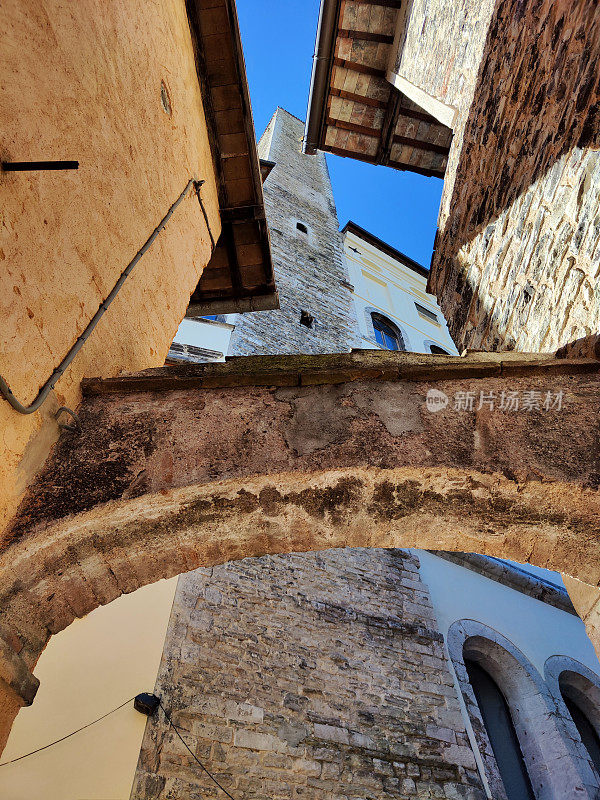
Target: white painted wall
[[208, 334], [537, 629], [90, 668], [392, 288]]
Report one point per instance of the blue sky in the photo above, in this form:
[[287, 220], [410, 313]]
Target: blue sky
[[399, 207]]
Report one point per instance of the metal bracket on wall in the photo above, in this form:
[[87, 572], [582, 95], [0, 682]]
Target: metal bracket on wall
[[49, 385], [76, 426], [30, 166]]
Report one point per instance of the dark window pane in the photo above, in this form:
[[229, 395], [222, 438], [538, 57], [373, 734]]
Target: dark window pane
[[438, 351], [378, 336], [386, 334], [390, 341], [501, 731], [586, 730], [426, 312]]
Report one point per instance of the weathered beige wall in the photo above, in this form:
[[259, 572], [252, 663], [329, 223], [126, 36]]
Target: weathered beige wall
[[85, 672], [83, 81]]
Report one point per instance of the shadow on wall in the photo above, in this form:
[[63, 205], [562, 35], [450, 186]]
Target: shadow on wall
[[521, 244]]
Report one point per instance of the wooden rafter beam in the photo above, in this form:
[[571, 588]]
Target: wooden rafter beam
[[387, 137], [419, 144], [387, 128], [232, 254], [358, 98], [365, 36], [429, 173], [412, 113], [340, 151], [365, 69], [351, 126]]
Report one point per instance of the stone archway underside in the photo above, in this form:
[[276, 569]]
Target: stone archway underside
[[188, 466]]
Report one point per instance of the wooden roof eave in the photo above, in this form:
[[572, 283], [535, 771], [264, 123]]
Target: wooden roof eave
[[229, 281], [419, 151]]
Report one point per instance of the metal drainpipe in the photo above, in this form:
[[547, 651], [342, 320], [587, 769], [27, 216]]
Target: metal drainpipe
[[319, 81], [49, 385]]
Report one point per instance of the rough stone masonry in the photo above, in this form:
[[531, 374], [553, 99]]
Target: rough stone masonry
[[517, 258], [307, 676], [309, 265]]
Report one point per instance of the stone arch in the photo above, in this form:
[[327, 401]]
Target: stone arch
[[532, 708], [64, 569], [563, 673], [189, 466]]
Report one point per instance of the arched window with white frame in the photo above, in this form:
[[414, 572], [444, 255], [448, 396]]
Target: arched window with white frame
[[387, 334]]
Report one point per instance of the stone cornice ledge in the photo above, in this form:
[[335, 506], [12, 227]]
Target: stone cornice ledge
[[512, 576], [359, 365]]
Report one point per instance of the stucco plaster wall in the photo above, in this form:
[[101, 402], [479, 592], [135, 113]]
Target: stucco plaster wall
[[89, 669], [538, 629], [83, 81]]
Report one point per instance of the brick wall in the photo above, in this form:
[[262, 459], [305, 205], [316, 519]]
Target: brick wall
[[309, 676], [309, 267], [517, 260]]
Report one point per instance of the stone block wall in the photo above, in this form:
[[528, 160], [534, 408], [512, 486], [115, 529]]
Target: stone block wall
[[517, 257], [318, 675], [309, 267]]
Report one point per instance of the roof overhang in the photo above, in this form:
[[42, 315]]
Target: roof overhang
[[384, 247], [354, 109], [239, 275]]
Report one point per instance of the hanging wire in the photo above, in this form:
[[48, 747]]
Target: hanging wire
[[193, 755], [46, 746], [104, 716], [43, 393]]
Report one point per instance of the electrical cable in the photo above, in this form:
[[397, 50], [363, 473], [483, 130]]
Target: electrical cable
[[104, 716], [193, 755], [46, 746], [43, 393]]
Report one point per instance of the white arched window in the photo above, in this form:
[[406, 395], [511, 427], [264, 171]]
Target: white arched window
[[387, 334], [498, 681]]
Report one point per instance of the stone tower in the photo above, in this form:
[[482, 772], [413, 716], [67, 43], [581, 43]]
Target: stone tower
[[317, 676], [316, 312]]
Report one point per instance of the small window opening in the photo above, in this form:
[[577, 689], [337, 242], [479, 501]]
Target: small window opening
[[438, 351], [302, 227], [306, 319], [425, 312]]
